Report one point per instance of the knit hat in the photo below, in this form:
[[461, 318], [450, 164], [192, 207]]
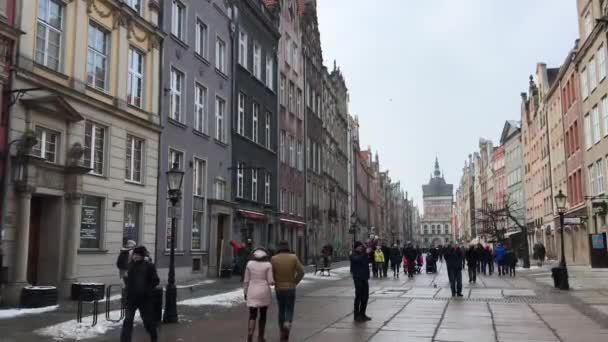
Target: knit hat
[[130, 244], [140, 250]]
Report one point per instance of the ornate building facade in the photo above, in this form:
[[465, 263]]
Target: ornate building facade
[[436, 224]]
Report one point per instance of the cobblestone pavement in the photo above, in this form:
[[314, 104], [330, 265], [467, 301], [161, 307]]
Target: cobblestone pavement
[[523, 308]]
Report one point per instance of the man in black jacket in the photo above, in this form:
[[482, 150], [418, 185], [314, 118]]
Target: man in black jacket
[[142, 279], [359, 269], [453, 259], [472, 257]]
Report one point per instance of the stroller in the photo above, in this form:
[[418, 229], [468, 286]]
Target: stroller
[[431, 264]]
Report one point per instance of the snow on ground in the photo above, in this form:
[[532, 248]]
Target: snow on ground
[[204, 282], [527, 269], [12, 313], [72, 330], [335, 274], [226, 299]]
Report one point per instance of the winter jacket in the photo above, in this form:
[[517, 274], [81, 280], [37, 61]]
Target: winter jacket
[[472, 256], [499, 253], [387, 253], [410, 254], [257, 282], [453, 258], [359, 265], [142, 279], [395, 256], [287, 270], [378, 256]]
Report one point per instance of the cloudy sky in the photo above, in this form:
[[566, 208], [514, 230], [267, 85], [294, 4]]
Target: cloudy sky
[[431, 77]]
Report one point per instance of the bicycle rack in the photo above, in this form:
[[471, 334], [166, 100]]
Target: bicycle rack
[[122, 304], [88, 293]]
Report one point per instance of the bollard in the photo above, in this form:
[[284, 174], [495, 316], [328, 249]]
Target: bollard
[[87, 295]]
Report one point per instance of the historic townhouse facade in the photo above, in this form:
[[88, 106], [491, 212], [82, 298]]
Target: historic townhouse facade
[[436, 225], [196, 79], [316, 206], [89, 183], [590, 62], [254, 122], [514, 173]]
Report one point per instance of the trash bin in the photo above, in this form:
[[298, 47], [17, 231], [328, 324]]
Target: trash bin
[[560, 278], [555, 274]]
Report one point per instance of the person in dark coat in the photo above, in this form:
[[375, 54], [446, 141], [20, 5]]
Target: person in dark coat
[[387, 252], [410, 254], [510, 262], [472, 256], [489, 255], [359, 269], [142, 279], [453, 259], [395, 256]]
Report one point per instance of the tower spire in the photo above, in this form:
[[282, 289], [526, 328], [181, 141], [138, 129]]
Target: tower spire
[[437, 172]]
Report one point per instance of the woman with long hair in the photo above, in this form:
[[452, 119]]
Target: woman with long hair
[[256, 285]]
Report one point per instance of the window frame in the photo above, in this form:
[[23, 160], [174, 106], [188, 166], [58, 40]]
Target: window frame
[[240, 119], [240, 180], [130, 178], [178, 23], [220, 119], [201, 45], [255, 114], [177, 78], [220, 55], [93, 147], [43, 143], [134, 74], [267, 179], [200, 108], [94, 52], [267, 129], [254, 185], [257, 60], [199, 177], [48, 26], [243, 47]]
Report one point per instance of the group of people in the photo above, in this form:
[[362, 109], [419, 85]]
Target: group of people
[[380, 256]]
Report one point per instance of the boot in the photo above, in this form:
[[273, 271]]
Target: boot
[[285, 332], [261, 331], [250, 330]]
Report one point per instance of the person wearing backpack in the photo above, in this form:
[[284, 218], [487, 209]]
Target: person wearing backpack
[[124, 258]]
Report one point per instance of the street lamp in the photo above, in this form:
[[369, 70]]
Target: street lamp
[[175, 177], [353, 227], [562, 282]]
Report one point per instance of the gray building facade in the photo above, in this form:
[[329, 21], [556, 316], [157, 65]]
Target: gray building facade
[[511, 139], [196, 93]]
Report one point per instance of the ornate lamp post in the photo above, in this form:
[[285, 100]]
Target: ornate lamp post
[[175, 177], [353, 227], [562, 281]]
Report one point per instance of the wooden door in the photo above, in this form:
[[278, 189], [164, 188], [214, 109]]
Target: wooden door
[[34, 243]]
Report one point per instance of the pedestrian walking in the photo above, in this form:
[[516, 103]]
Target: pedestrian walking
[[379, 261], [395, 257], [359, 269], [123, 260], [142, 279], [490, 257], [499, 254], [256, 286], [510, 262], [387, 252], [410, 254], [472, 257], [539, 253], [288, 272], [453, 259]]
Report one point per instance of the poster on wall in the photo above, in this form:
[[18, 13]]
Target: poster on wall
[[88, 223], [597, 241]]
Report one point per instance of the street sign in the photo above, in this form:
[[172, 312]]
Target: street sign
[[175, 212], [572, 220]]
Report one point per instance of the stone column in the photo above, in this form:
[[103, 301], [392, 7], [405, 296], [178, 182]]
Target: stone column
[[122, 68], [79, 57], [19, 280], [72, 238]]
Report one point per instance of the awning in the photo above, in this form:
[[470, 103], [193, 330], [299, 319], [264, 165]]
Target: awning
[[512, 233], [292, 222], [252, 215]]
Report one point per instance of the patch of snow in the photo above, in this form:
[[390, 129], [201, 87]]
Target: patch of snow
[[204, 282], [40, 288], [519, 268], [72, 330], [12, 313], [227, 299]]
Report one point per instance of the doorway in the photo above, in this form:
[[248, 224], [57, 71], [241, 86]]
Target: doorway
[[219, 244], [34, 240]]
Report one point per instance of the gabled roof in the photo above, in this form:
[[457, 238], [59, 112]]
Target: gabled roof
[[511, 127], [53, 104]]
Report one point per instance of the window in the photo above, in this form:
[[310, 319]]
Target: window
[[135, 147], [197, 242], [132, 222], [292, 152], [282, 201], [282, 95], [199, 175], [176, 157], [46, 147], [90, 221], [200, 108], [135, 82], [94, 141], [591, 176], [243, 49], [269, 72], [220, 55], [220, 109], [240, 120], [178, 19], [239, 179], [595, 123], [592, 75], [202, 39], [584, 84], [601, 61], [588, 133], [254, 185], [588, 21], [255, 126], [300, 157], [282, 142], [299, 103], [49, 33], [294, 55], [291, 102], [287, 47], [257, 60], [267, 130], [97, 57], [177, 85], [136, 5], [600, 170], [605, 115], [267, 188], [220, 189]]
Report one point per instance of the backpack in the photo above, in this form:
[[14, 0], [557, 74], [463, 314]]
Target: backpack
[[123, 260]]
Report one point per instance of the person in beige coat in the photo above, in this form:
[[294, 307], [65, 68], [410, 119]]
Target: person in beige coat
[[288, 272], [256, 285]]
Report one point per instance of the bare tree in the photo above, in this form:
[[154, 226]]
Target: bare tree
[[496, 221]]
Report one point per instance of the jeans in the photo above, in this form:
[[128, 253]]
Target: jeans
[[361, 296], [472, 273], [146, 311], [286, 300], [455, 276]]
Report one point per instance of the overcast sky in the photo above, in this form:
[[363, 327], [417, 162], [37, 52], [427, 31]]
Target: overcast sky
[[431, 77]]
